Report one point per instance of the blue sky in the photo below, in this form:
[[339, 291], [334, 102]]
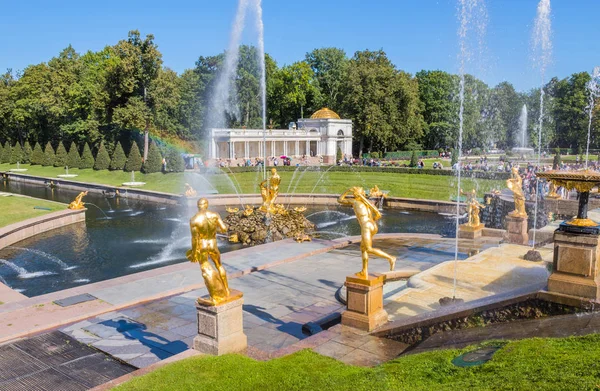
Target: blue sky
[[416, 34]]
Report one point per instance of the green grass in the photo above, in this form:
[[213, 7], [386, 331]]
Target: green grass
[[530, 364], [15, 209], [432, 187]]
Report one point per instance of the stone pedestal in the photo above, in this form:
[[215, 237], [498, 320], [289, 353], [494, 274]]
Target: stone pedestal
[[220, 327], [364, 308], [516, 230], [466, 231], [576, 265]]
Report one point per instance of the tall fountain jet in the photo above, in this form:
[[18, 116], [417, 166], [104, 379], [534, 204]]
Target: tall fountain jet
[[593, 87], [523, 126], [542, 55]]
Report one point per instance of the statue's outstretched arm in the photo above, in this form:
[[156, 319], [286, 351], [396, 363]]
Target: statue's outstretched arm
[[342, 199], [221, 225]]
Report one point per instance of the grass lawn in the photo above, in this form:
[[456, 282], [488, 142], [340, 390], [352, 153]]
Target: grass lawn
[[530, 364], [433, 187], [15, 209]]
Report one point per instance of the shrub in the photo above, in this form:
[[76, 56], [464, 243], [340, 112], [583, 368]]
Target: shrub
[[557, 151], [37, 156], [476, 151], [557, 161], [134, 160], [413, 159], [453, 157], [6, 153], [27, 152], [375, 155], [1, 149], [338, 154], [73, 158], [49, 155], [102, 159], [118, 160], [579, 150], [16, 154], [87, 159], [154, 161], [175, 162], [61, 156]]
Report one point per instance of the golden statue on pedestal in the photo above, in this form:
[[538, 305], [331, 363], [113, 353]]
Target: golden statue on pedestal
[[552, 192], [473, 209], [189, 191], [515, 184], [269, 190], [77, 203], [374, 192], [367, 215], [204, 227]]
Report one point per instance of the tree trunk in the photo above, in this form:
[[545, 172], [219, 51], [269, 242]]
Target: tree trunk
[[146, 141], [360, 146]]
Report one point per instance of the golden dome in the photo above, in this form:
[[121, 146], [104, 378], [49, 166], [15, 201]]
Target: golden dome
[[325, 113]]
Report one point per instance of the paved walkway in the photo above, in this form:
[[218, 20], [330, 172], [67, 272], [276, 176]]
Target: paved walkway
[[277, 302]]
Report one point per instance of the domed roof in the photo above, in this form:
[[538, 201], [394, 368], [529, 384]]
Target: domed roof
[[325, 113]]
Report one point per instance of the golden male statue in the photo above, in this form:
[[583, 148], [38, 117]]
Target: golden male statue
[[367, 215], [474, 207], [269, 190], [515, 184], [77, 203], [204, 226]]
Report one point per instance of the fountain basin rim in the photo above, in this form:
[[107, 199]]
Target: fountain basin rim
[[133, 184], [17, 170], [67, 176], [582, 181]]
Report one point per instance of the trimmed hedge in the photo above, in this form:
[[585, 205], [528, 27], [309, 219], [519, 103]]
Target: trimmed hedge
[[87, 159], [404, 155], [118, 159], [175, 162], [73, 158], [49, 155], [102, 159], [27, 152], [134, 160], [37, 156], [154, 161], [60, 159], [16, 155], [6, 153], [367, 169]]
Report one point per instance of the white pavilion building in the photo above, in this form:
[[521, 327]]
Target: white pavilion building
[[320, 135]]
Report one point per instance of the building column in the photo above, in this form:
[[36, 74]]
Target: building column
[[273, 147], [297, 148], [246, 150], [307, 148], [214, 152], [285, 148]]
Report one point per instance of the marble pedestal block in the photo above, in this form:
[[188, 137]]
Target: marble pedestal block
[[220, 327], [575, 265], [364, 308], [466, 231], [516, 230]]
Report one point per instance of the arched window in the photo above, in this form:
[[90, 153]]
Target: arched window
[[340, 133]]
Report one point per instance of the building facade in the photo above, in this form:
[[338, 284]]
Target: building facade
[[320, 135]]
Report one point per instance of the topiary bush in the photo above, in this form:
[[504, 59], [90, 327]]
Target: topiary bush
[[37, 156], [557, 161], [338, 154], [6, 153], [73, 158], [1, 149], [453, 157], [49, 155], [87, 159], [175, 161], [414, 160], [154, 161], [118, 160], [16, 154], [27, 152], [102, 159], [60, 159], [134, 160]]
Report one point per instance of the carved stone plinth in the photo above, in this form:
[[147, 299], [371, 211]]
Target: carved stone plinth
[[220, 327], [466, 231], [364, 308], [516, 230], [576, 265]]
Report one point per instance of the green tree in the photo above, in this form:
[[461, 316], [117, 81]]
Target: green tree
[[73, 158], [1, 149], [102, 158], [134, 160], [37, 157], [338, 154], [414, 160], [571, 120], [87, 159], [330, 67], [27, 152], [6, 153], [154, 161], [557, 160], [16, 155], [453, 157], [60, 160], [118, 160], [49, 155], [175, 161]]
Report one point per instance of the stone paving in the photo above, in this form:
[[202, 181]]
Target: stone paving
[[277, 302]]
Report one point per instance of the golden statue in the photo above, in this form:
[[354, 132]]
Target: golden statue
[[189, 191], [473, 208], [299, 209], [515, 184], [77, 203], [552, 192], [376, 193], [249, 210], [367, 215], [232, 210], [204, 226], [269, 190]]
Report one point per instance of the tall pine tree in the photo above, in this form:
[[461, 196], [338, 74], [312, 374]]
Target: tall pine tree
[[27, 152], [87, 159], [37, 156], [102, 159], [6, 153], [118, 160], [61, 156], [49, 155], [134, 160], [73, 158], [154, 161]]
